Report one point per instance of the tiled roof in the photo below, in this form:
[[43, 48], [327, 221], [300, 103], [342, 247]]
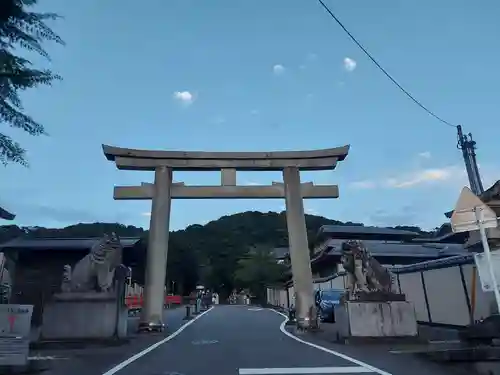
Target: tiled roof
[[399, 249], [434, 264], [358, 230], [21, 243]]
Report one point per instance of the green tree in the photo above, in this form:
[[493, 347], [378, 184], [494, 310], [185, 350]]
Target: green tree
[[257, 270], [21, 29]]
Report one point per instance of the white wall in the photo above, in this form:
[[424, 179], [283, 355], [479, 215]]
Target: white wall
[[445, 295], [442, 291]]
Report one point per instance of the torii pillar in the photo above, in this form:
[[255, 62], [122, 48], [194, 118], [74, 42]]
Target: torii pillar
[[156, 258], [299, 250]]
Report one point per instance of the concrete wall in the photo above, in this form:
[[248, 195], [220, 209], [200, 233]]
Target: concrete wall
[[277, 297], [442, 291]]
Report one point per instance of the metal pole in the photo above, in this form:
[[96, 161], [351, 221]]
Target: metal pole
[[480, 218], [473, 295]]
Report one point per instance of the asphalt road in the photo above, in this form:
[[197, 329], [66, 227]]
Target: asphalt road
[[233, 340], [230, 340]]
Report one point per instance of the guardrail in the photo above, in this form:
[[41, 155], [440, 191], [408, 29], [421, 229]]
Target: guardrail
[[135, 302]]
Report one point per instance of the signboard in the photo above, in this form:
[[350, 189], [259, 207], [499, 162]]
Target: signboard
[[473, 214], [465, 219], [15, 327], [481, 261]]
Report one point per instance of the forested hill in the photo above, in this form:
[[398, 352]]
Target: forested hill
[[246, 228], [210, 254]]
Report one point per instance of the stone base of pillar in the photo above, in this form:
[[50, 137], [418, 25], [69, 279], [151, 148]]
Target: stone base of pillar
[[307, 324], [151, 327]]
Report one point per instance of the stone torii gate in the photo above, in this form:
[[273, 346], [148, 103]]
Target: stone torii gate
[[163, 190]]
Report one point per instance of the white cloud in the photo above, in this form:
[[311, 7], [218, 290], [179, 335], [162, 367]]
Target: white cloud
[[450, 174], [407, 215], [278, 69], [184, 97], [425, 155], [146, 214], [349, 64], [365, 184], [423, 176]]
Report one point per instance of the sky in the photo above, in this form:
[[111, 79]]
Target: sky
[[256, 75]]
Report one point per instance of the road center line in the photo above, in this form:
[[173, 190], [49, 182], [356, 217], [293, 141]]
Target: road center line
[[330, 351], [142, 353], [304, 370]]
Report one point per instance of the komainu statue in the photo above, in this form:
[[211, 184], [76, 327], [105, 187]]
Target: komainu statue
[[96, 271], [364, 273]]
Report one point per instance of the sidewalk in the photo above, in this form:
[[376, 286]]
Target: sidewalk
[[97, 360], [379, 355]]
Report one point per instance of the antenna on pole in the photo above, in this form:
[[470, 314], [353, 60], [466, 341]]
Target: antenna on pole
[[468, 147]]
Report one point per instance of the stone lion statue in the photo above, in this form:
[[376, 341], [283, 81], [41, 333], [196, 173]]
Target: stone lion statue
[[364, 273], [95, 271]]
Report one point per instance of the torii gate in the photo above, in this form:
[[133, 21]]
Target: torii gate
[[163, 190]]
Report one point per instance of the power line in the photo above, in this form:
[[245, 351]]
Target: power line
[[417, 102]]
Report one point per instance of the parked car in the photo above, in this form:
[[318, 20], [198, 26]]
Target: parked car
[[325, 303]]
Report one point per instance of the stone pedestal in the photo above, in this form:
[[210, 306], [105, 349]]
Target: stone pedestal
[[390, 319], [84, 315]]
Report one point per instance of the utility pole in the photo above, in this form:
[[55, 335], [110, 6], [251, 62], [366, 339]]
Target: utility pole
[[468, 147]]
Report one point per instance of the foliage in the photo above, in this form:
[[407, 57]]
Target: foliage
[[257, 270], [21, 28], [224, 254]]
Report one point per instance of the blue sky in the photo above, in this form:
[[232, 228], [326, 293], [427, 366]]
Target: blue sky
[[261, 75]]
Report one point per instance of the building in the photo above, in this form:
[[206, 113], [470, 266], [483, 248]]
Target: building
[[282, 255], [388, 246], [35, 266]]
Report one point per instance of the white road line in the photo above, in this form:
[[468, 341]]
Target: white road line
[[319, 347], [142, 353], [304, 370]]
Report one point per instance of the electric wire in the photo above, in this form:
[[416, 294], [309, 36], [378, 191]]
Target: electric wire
[[417, 102]]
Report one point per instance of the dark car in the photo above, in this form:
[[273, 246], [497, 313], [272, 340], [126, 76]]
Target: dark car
[[325, 303]]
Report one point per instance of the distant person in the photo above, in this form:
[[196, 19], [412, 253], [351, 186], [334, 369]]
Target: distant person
[[207, 299], [215, 298]]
